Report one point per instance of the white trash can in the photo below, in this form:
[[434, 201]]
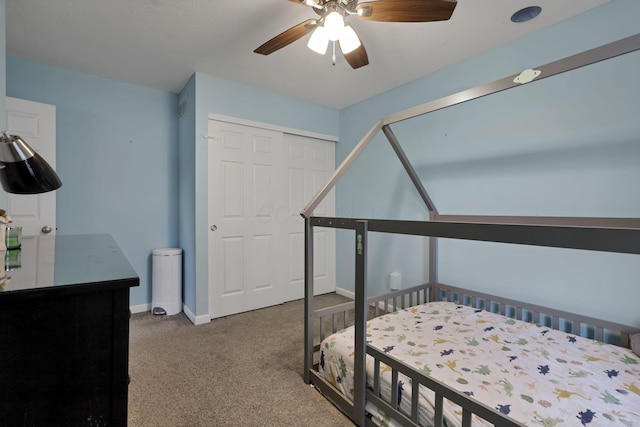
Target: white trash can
[[166, 281]]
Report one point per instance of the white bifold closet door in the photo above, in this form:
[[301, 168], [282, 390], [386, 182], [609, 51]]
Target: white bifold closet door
[[259, 180]]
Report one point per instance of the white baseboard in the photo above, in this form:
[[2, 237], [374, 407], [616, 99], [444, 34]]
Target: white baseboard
[[345, 293], [140, 308], [352, 295], [196, 320], [205, 318]]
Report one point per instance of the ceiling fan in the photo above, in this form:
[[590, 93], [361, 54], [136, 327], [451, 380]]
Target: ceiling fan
[[331, 26]]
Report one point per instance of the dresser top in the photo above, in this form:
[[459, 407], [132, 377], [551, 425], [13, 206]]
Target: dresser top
[[65, 263]]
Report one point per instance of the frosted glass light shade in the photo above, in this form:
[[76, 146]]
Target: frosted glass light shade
[[319, 41], [334, 24], [349, 40]]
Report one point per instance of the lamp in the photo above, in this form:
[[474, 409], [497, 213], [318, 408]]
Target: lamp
[[319, 41], [349, 40], [334, 24], [22, 170]]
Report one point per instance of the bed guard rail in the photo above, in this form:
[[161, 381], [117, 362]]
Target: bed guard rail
[[468, 405], [585, 326], [341, 316]]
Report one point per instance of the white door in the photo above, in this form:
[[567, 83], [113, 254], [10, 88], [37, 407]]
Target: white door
[[259, 181], [310, 161], [36, 124], [246, 173]]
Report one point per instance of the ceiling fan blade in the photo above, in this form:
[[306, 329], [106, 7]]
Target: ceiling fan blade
[[287, 37], [357, 58], [406, 10]]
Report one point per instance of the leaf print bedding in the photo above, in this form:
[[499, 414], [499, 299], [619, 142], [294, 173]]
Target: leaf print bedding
[[531, 373]]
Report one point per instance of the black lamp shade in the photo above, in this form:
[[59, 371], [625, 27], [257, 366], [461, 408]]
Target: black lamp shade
[[22, 170]]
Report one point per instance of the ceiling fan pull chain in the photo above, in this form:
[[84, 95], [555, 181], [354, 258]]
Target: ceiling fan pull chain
[[333, 57]]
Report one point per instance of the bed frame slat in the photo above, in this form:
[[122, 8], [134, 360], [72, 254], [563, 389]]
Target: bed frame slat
[[415, 405], [394, 389], [625, 340], [439, 410], [376, 377], [466, 418]]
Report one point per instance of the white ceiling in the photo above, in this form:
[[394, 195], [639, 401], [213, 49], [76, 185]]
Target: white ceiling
[[161, 43]]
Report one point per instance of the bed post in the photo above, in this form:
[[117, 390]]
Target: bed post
[[361, 311], [308, 298]]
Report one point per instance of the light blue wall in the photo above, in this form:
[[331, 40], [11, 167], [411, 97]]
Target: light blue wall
[[222, 97], [116, 156], [569, 145], [186, 189]]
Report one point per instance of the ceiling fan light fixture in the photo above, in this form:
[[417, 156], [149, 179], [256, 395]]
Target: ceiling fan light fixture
[[319, 41], [334, 24], [349, 40], [331, 24]]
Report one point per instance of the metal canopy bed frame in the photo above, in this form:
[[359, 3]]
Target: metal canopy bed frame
[[621, 235]]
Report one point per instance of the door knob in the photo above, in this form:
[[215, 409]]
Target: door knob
[[214, 227], [46, 229]]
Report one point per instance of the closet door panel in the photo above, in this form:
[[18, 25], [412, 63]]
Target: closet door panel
[[310, 162], [259, 181], [246, 181]]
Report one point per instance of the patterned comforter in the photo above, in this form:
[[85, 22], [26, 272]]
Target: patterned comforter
[[532, 373]]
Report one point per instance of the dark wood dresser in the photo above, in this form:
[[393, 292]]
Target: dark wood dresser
[[64, 332]]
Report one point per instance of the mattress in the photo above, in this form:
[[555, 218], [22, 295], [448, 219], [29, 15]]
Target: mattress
[[531, 373]]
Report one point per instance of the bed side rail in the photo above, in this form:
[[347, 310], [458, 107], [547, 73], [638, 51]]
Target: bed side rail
[[468, 405], [340, 316], [585, 326], [331, 319]]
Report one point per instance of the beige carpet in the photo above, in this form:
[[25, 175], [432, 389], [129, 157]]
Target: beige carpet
[[241, 370]]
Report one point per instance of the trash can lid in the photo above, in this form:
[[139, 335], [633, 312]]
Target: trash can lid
[[167, 251]]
